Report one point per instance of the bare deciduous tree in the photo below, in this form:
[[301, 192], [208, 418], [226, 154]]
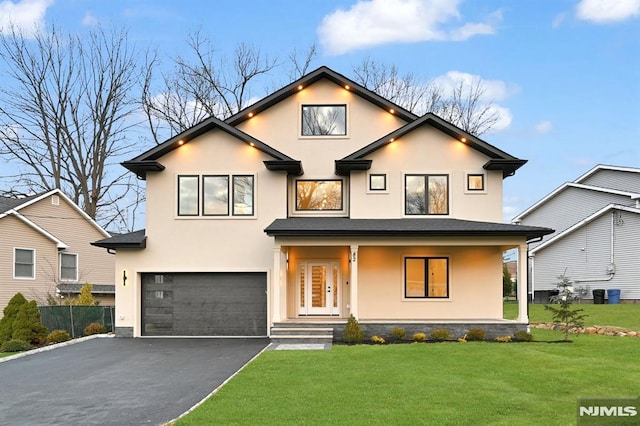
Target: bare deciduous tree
[[463, 105], [66, 111], [203, 85]]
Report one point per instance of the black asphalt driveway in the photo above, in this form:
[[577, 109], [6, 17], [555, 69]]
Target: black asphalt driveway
[[118, 381]]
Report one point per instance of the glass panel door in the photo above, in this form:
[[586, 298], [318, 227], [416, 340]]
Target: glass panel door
[[319, 284]]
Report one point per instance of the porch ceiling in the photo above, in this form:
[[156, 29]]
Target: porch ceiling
[[406, 227]]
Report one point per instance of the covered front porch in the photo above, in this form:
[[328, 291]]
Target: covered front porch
[[418, 273]]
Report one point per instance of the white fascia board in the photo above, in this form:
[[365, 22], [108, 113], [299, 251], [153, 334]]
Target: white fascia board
[[59, 243], [606, 167], [631, 195], [70, 202], [582, 223]]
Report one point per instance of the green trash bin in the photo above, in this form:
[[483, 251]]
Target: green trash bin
[[598, 297], [614, 296]]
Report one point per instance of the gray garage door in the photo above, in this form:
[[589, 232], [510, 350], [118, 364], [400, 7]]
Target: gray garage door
[[204, 304]]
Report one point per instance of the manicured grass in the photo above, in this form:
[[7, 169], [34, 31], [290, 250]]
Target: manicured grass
[[4, 354], [623, 315], [427, 383]]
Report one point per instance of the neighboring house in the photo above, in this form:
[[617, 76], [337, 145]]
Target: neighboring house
[[597, 237], [320, 201], [45, 250]]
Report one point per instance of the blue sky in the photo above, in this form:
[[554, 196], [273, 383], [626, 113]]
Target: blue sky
[[564, 74]]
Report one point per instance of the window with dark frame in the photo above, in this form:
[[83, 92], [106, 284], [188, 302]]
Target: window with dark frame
[[377, 182], [426, 194], [221, 194], [188, 195], [319, 195], [24, 263], [426, 277], [475, 182], [324, 120], [243, 195], [215, 195]]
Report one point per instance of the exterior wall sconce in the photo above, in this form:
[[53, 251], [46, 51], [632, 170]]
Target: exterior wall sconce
[[353, 257], [124, 277]]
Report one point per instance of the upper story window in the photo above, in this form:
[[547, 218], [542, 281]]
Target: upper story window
[[221, 195], [68, 267], [24, 263], [426, 194], [314, 195], [475, 182], [324, 120]]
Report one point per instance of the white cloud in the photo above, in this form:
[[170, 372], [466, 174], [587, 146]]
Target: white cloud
[[543, 127], [607, 11], [375, 22], [26, 16], [89, 20], [494, 90]]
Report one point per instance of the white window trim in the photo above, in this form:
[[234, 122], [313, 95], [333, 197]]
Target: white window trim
[[75, 280], [293, 190], [427, 299], [14, 263], [430, 173], [475, 191], [325, 137], [200, 215]]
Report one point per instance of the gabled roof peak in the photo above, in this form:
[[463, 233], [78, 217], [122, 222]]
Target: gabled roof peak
[[320, 73]]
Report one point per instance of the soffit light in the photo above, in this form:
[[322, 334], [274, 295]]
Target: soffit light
[[250, 115], [392, 111]]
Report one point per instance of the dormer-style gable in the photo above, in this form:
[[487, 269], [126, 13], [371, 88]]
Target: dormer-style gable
[[149, 161], [498, 159]]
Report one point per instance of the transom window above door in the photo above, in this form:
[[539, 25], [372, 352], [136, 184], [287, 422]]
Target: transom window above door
[[324, 120]]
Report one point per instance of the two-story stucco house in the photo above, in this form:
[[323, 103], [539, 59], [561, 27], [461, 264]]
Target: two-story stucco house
[[45, 249], [597, 239], [320, 201]]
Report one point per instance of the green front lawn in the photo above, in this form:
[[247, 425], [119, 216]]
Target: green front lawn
[[427, 383], [623, 315]]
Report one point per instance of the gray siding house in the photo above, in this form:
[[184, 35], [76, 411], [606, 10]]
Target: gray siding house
[[597, 237]]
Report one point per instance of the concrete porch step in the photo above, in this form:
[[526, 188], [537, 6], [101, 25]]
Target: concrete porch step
[[294, 334]]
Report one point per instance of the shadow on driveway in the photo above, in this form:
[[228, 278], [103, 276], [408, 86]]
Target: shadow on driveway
[[118, 381]]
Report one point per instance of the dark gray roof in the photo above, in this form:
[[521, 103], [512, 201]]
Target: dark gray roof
[[148, 161], [498, 159], [95, 288], [135, 239], [409, 227], [7, 203]]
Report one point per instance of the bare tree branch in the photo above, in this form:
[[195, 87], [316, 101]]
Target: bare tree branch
[[66, 110], [463, 105]]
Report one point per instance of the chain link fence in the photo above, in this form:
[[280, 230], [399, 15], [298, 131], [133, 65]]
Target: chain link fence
[[74, 319]]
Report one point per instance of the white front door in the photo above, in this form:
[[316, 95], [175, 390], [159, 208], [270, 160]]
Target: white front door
[[319, 284]]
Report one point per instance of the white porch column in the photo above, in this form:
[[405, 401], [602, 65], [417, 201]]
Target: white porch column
[[523, 284], [353, 283], [276, 286]]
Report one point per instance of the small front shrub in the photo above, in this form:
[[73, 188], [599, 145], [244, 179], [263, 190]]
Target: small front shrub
[[439, 335], [352, 331], [503, 339], [57, 336], [94, 328], [523, 336], [377, 340], [476, 334], [27, 325], [15, 345], [419, 337], [399, 333]]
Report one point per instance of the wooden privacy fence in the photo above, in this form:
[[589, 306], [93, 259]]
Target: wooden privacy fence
[[74, 319]]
